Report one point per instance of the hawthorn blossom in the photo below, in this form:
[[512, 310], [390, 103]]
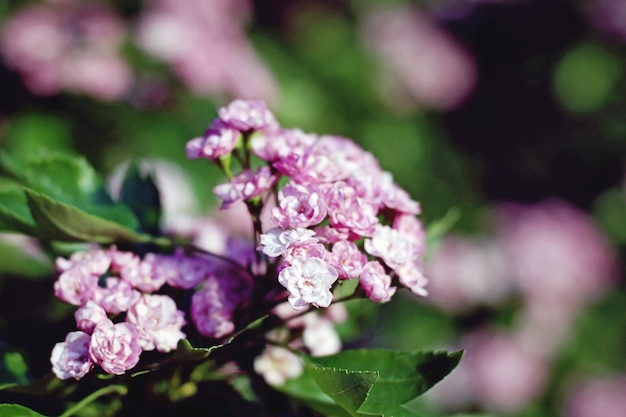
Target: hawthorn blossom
[[70, 359], [411, 276], [247, 115], [393, 247], [185, 271], [213, 306], [276, 365], [347, 259], [146, 276], [115, 347], [347, 210], [116, 296], [308, 281], [218, 140], [206, 46], [413, 229], [320, 337], [281, 144], [158, 321], [299, 206], [73, 47], [75, 286], [246, 185], [376, 283], [425, 66], [89, 315], [276, 241]]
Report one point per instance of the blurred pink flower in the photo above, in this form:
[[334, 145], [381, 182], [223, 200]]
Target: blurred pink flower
[[603, 396], [466, 272], [557, 253], [608, 16], [206, 45], [505, 377], [69, 46], [420, 56]]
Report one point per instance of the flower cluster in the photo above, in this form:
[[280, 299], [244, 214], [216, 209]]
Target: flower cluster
[[338, 215], [124, 308]]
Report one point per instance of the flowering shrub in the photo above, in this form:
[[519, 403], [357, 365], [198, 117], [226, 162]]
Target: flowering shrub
[[329, 225]]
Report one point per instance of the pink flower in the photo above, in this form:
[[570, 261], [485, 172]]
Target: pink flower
[[218, 140], [597, 396], [115, 347], [347, 210], [245, 186], [89, 315], [117, 296], [72, 47], [158, 321], [308, 281], [557, 253], [247, 115], [299, 206], [146, 275], [279, 144], [505, 377], [75, 286], [411, 228], [348, 259], [466, 272], [376, 283], [391, 246], [427, 65], [70, 359], [412, 277], [206, 46], [185, 271], [212, 309]]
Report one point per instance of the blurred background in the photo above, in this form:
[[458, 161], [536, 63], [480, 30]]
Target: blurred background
[[504, 118]]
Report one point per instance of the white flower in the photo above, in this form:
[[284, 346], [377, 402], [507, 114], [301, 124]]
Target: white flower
[[276, 365], [309, 281], [276, 241], [392, 246]]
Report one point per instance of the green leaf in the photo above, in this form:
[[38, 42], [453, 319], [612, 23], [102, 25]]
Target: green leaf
[[13, 368], [305, 390], [14, 213], [379, 382], [70, 180], [15, 410], [58, 221], [349, 389], [140, 193]]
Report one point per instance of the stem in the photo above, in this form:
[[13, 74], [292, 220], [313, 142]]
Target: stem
[[120, 389]]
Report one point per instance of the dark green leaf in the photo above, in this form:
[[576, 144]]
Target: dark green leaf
[[394, 378], [58, 221], [15, 410], [140, 193]]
